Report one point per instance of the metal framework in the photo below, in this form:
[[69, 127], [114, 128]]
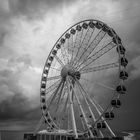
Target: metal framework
[[82, 81]]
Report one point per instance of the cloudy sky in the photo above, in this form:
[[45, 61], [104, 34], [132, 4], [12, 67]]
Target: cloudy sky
[[28, 30]]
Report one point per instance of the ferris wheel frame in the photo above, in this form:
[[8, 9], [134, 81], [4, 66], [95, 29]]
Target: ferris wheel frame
[[101, 122]]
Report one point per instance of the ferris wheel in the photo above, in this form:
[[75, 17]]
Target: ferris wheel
[[83, 79]]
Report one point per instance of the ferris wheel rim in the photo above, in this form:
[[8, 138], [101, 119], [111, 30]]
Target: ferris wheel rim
[[65, 33]]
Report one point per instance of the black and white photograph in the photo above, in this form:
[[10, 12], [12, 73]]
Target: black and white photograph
[[69, 69]]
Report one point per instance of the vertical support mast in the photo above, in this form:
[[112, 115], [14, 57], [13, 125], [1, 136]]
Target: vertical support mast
[[95, 105], [85, 120], [71, 108], [81, 109], [93, 116]]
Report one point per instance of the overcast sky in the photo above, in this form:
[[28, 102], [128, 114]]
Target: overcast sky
[[28, 30]]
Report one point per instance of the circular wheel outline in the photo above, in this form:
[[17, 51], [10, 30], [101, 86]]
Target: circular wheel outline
[[51, 123]]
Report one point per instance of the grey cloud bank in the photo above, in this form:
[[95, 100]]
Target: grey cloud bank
[[29, 28]]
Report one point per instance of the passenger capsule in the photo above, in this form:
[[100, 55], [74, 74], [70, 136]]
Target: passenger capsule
[[42, 93], [77, 75], [91, 24], [54, 52], [101, 125], [114, 40], [62, 40], [44, 107], [51, 58], [85, 25], [110, 33], [113, 31], [94, 132], [67, 35], [72, 31], [121, 49], [49, 120], [124, 62], [98, 25], [63, 119], [109, 115], [90, 116], [117, 40], [46, 71], [48, 64], [121, 89], [105, 28], [58, 46], [43, 100], [46, 114], [52, 126], [43, 85], [116, 103], [44, 78], [78, 28], [123, 75]]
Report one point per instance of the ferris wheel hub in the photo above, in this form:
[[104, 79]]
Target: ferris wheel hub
[[66, 83], [68, 70]]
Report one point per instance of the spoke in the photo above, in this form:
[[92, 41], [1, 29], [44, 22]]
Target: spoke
[[84, 44], [55, 68], [100, 67], [66, 54], [100, 84], [64, 92], [81, 47], [59, 60], [62, 49], [66, 103], [61, 92], [71, 46], [77, 45], [68, 117], [96, 105], [71, 108], [82, 111], [55, 93], [53, 78], [93, 116], [89, 98], [97, 54], [83, 125], [52, 87], [91, 47]]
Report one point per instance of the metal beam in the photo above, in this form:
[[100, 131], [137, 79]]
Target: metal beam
[[71, 108]]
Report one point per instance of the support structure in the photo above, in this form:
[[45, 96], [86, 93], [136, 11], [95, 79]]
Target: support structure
[[71, 108]]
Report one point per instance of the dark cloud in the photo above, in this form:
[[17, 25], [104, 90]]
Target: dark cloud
[[13, 103], [36, 8], [2, 36], [29, 9], [15, 107], [18, 108]]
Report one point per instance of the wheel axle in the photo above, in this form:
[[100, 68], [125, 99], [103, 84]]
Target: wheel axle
[[68, 70]]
